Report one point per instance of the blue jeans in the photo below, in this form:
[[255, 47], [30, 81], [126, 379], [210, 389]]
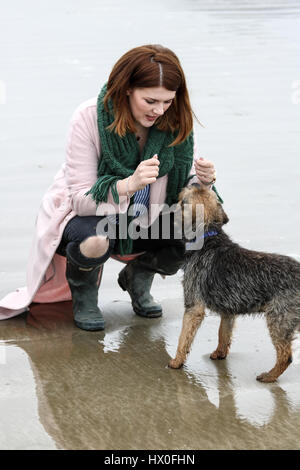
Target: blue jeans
[[170, 250]]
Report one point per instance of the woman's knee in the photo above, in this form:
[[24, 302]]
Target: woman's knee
[[102, 248], [94, 246]]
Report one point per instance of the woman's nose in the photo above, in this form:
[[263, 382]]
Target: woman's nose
[[159, 109]]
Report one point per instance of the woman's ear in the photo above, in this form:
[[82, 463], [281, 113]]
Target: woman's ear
[[129, 91]]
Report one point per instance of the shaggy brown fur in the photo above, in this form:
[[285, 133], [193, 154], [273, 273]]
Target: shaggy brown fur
[[232, 280]]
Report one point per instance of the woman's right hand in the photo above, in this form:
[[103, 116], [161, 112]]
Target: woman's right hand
[[145, 173]]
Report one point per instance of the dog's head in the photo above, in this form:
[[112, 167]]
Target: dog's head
[[194, 195]]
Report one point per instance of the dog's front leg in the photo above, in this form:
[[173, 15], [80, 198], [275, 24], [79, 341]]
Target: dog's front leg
[[192, 319]]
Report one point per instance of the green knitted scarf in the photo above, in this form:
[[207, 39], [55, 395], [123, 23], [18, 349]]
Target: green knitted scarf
[[121, 155]]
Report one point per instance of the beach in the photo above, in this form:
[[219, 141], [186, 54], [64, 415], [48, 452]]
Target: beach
[[65, 388]]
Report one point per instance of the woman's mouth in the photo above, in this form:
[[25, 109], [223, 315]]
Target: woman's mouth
[[151, 118]]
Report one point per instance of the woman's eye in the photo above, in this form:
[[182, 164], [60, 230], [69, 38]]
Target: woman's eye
[[152, 102]]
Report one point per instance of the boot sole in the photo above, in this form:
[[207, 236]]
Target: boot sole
[[90, 326], [148, 314]]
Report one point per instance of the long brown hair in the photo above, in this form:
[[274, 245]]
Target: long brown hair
[[143, 67]]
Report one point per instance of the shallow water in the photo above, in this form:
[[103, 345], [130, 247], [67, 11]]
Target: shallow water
[[62, 388]]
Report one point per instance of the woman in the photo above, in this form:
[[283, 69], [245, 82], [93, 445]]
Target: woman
[[129, 148]]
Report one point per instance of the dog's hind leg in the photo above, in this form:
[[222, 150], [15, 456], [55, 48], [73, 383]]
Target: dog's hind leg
[[192, 319], [282, 341], [225, 335]]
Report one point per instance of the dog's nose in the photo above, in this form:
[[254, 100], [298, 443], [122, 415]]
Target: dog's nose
[[225, 218]]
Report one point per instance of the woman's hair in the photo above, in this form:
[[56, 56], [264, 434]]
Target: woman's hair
[[143, 67]]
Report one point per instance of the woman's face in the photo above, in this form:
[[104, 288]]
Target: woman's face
[[148, 104]]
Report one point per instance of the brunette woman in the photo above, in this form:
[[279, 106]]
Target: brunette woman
[[129, 151]]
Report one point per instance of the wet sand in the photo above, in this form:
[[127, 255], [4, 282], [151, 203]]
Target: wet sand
[[63, 388]]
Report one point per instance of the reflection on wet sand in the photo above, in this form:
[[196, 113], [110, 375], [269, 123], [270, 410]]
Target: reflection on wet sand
[[103, 393]]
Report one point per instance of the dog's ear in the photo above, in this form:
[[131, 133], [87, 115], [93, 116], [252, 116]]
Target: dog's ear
[[184, 196]]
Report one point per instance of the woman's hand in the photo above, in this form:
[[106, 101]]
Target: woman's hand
[[205, 171], [145, 173]]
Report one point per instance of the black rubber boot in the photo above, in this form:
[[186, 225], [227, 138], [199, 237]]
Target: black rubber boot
[[137, 277], [138, 281], [83, 282]]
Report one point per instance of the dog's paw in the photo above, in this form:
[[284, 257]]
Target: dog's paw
[[218, 355], [266, 378], [175, 364]]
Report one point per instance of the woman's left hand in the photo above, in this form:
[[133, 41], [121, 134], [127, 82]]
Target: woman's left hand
[[205, 171]]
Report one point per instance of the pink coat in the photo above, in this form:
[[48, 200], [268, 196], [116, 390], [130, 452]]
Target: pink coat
[[46, 281]]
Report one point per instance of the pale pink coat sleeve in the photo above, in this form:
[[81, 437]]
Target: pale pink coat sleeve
[[82, 157]]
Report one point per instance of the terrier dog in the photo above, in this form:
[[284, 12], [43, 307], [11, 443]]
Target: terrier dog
[[232, 280]]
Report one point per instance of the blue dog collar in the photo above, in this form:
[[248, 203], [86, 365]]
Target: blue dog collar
[[190, 245], [210, 234]]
